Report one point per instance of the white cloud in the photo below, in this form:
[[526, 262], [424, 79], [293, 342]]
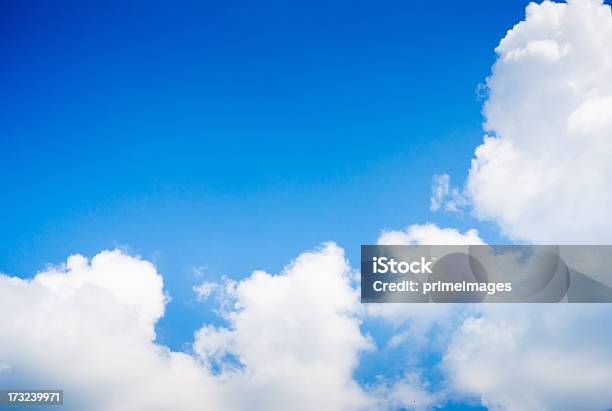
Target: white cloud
[[88, 327], [544, 173], [520, 357], [409, 392], [429, 234], [439, 191], [413, 322], [289, 339], [512, 357], [442, 195], [141, 291], [295, 335], [204, 290]]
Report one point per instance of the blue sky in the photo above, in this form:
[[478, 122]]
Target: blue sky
[[232, 135], [218, 138]]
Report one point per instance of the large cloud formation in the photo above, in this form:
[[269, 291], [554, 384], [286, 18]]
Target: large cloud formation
[[544, 172], [544, 175], [534, 357], [89, 328], [295, 337]]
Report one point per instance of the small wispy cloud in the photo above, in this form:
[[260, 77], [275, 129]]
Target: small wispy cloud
[[205, 290], [439, 191], [445, 197]]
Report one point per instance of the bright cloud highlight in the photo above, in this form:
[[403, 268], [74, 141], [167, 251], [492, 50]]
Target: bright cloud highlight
[[543, 172]]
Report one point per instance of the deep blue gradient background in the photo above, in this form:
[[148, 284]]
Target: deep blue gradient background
[[232, 135]]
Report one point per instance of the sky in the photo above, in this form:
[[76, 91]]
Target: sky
[[231, 136], [214, 139]]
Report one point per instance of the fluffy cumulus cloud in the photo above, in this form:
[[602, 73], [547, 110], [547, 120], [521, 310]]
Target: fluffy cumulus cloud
[[511, 357], [525, 357], [88, 327], [544, 172], [292, 338]]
